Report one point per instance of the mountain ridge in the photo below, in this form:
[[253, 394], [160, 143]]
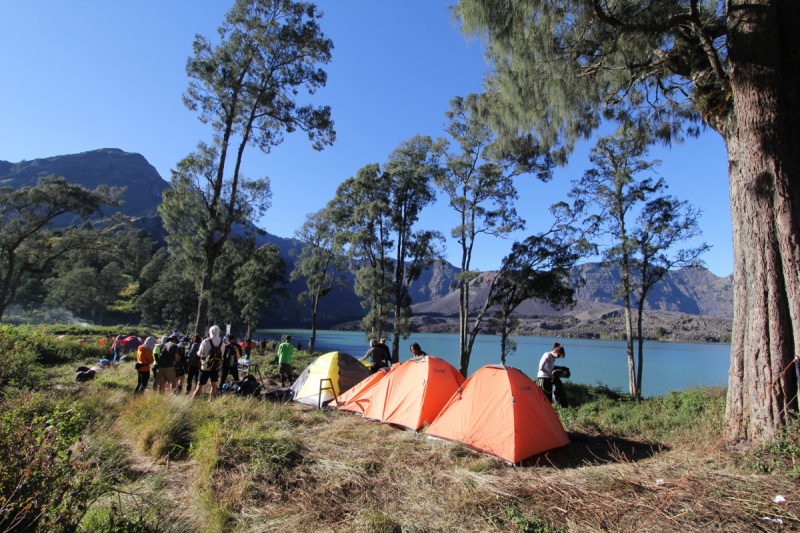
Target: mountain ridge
[[690, 291]]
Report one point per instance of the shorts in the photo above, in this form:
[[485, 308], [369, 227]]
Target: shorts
[[208, 375], [165, 375], [285, 369]]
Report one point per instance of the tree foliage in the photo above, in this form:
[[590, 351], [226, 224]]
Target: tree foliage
[[30, 245], [320, 261], [558, 69], [258, 283], [246, 87], [479, 183]]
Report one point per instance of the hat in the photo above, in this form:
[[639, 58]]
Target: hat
[[186, 339], [288, 337]]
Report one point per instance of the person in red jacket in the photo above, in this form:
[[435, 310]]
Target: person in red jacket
[[144, 358]]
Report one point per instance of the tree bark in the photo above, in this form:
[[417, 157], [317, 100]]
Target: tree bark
[[314, 307], [201, 324], [761, 136]]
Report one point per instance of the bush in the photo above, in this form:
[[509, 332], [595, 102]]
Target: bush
[[45, 479], [18, 360]]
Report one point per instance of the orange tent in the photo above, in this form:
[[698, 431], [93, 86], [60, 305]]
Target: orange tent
[[414, 394], [357, 398], [502, 412]]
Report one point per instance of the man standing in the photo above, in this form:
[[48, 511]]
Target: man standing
[[382, 345], [230, 359], [285, 352], [170, 353], [210, 354], [378, 356]]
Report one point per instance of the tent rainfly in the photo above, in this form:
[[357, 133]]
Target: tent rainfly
[[502, 412], [354, 400], [413, 394], [343, 370]]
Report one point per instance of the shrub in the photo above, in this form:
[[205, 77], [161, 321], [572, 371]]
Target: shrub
[[18, 360], [45, 479]]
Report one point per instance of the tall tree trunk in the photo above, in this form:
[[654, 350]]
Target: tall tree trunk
[[504, 334], [641, 345], [762, 135], [314, 307], [201, 324]]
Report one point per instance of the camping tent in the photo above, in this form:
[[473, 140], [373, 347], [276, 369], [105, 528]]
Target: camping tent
[[130, 344], [343, 370], [357, 398], [412, 395], [502, 412]]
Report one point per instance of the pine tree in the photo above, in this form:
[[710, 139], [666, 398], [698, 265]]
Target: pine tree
[[559, 68]]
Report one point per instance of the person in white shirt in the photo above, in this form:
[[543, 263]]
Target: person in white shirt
[[545, 377]]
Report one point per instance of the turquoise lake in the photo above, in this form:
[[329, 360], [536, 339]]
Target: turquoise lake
[[667, 365]]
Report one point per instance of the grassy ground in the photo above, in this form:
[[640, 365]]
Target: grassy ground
[[165, 463]]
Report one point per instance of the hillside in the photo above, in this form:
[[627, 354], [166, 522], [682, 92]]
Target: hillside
[[687, 291], [107, 166]]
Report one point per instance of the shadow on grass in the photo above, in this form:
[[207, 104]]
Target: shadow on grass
[[596, 450]]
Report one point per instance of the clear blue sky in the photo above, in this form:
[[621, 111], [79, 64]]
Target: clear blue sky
[[84, 75]]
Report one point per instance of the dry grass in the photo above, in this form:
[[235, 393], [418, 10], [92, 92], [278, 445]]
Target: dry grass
[[248, 465]]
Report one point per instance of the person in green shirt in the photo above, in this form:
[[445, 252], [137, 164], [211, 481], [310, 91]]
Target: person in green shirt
[[285, 351]]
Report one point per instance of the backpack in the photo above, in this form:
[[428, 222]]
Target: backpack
[[213, 360]]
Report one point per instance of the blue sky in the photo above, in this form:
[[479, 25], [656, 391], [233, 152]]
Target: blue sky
[[84, 75]]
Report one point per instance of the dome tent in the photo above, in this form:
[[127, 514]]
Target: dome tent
[[357, 398], [343, 370], [413, 394], [502, 412]]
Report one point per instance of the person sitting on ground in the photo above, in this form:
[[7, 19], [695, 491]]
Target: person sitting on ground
[[377, 357], [285, 352], [210, 354], [193, 365], [416, 350], [545, 377], [144, 358], [230, 359], [170, 354]]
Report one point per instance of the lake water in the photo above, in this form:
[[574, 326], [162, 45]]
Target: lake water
[[667, 365]]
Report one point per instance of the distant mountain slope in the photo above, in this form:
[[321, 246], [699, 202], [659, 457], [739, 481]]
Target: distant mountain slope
[[694, 291], [447, 306], [690, 291], [108, 166]]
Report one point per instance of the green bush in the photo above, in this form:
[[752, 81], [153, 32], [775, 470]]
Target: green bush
[[18, 360], [45, 479]]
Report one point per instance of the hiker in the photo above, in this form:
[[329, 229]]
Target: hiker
[[180, 364], [545, 377], [156, 356], [116, 347], [210, 354], [248, 348], [230, 359], [378, 357], [299, 346], [170, 354], [193, 365], [144, 358], [285, 351], [263, 345], [382, 345], [416, 350]]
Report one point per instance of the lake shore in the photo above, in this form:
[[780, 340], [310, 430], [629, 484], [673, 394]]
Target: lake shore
[[656, 326]]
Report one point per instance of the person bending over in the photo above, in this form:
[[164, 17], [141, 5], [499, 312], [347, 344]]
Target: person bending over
[[545, 377], [377, 356]]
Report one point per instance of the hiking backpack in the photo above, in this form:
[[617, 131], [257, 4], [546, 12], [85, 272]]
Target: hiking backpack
[[213, 360]]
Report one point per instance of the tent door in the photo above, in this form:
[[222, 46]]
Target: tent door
[[328, 388]]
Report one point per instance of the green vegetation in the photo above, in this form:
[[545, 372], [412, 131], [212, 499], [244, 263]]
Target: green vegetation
[[95, 458]]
